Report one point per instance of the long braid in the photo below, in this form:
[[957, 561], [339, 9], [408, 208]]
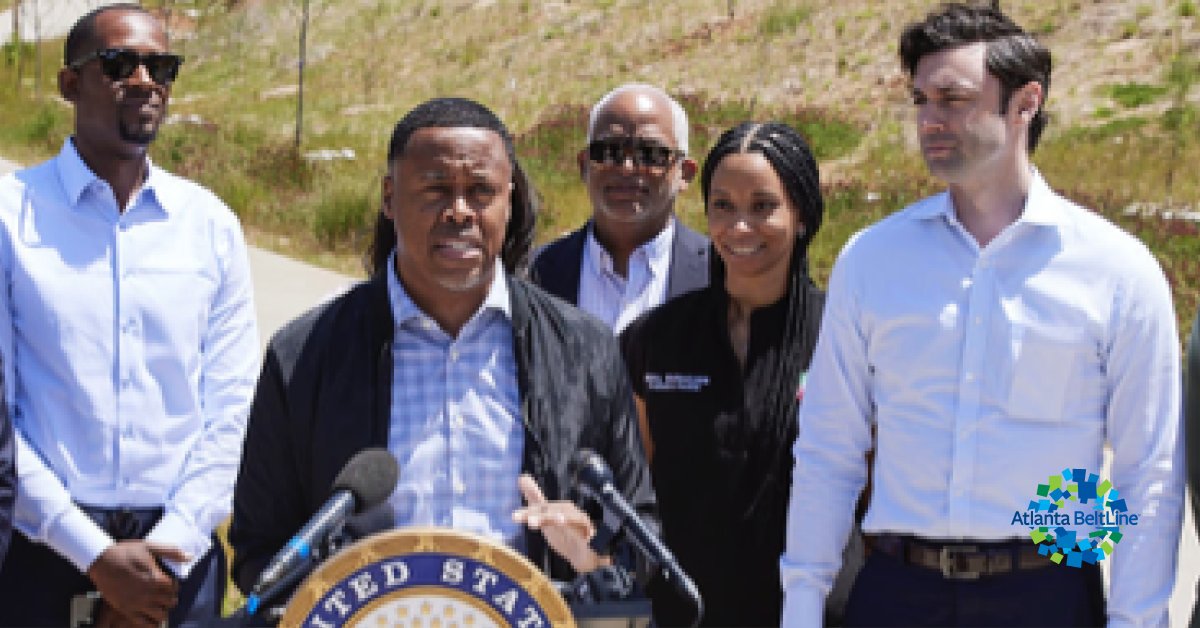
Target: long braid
[[771, 392]]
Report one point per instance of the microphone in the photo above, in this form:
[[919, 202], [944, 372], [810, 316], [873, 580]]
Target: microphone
[[366, 481], [592, 477]]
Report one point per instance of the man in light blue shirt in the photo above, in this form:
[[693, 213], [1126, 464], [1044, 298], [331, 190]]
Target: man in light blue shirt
[[982, 341], [134, 351]]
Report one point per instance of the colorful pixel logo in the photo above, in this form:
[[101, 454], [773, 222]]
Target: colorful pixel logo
[[1076, 518]]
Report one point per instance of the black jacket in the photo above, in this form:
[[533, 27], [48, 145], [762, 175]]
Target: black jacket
[[8, 476], [325, 394], [556, 266], [1191, 429]]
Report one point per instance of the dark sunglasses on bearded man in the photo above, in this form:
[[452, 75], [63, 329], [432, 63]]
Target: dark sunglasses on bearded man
[[118, 64]]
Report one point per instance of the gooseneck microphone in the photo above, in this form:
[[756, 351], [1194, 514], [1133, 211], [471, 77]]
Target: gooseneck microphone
[[592, 477], [365, 482]]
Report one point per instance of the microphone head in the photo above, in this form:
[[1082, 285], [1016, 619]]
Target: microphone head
[[370, 476], [589, 471]]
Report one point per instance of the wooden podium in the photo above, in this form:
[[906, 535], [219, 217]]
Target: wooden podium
[[428, 578]]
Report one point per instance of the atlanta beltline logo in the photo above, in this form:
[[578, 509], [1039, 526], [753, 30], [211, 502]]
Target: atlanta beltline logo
[[1076, 518]]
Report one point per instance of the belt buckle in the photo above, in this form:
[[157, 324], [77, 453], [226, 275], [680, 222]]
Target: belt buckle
[[949, 566]]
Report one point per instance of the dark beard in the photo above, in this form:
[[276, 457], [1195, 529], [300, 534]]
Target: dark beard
[[135, 135]]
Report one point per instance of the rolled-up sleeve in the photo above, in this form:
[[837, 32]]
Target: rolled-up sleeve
[[1143, 424], [830, 465]]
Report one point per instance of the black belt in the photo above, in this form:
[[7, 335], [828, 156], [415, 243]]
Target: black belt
[[965, 560], [124, 523]]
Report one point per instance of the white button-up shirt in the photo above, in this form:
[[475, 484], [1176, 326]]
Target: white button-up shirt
[[132, 348], [618, 300], [985, 371]]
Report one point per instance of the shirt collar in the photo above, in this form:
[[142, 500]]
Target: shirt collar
[[1041, 206], [77, 177], [657, 250], [404, 309]]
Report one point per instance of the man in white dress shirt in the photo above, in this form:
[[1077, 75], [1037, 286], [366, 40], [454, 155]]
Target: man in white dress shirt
[[990, 337], [133, 356]]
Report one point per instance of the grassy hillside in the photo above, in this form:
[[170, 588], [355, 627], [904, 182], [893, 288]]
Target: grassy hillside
[[1124, 109]]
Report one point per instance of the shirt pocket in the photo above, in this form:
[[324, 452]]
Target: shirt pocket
[[1044, 364]]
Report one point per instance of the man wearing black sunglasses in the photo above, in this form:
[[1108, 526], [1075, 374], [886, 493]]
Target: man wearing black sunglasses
[[127, 321], [633, 254]]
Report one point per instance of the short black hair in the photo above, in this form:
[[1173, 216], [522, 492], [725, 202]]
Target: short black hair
[[1014, 56], [83, 34], [458, 113]]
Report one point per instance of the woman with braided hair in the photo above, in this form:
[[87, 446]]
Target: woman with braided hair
[[719, 374]]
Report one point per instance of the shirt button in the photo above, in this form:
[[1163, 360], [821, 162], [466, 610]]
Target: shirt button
[[459, 487], [454, 355], [427, 324], [970, 377], [978, 320]]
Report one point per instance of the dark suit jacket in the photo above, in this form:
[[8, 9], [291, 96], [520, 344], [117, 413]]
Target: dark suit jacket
[[556, 266], [1191, 428]]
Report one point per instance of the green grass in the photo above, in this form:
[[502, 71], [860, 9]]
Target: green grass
[[1134, 95], [783, 18], [541, 88]]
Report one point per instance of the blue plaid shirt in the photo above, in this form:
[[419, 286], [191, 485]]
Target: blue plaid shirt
[[456, 429]]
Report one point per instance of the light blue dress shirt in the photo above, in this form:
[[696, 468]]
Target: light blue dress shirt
[[985, 371], [133, 353], [456, 417], [618, 300]]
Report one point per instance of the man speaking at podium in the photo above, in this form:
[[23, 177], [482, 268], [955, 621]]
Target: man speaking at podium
[[470, 376]]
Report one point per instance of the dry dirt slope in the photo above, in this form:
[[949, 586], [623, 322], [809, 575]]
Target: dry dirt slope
[[521, 56]]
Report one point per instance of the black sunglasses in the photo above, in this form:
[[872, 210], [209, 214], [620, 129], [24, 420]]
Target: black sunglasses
[[119, 64], [645, 153]]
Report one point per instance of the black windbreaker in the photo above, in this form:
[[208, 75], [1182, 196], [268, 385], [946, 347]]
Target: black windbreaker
[[325, 394]]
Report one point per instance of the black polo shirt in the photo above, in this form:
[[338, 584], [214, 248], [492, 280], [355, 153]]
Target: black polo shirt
[[711, 457]]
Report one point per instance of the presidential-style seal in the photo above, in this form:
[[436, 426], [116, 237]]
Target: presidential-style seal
[[427, 577]]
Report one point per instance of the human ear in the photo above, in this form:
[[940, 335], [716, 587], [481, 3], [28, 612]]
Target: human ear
[[581, 158], [1027, 100], [68, 84], [687, 172], [386, 196]]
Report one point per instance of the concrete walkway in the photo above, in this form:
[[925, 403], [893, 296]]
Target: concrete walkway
[[285, 288]]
